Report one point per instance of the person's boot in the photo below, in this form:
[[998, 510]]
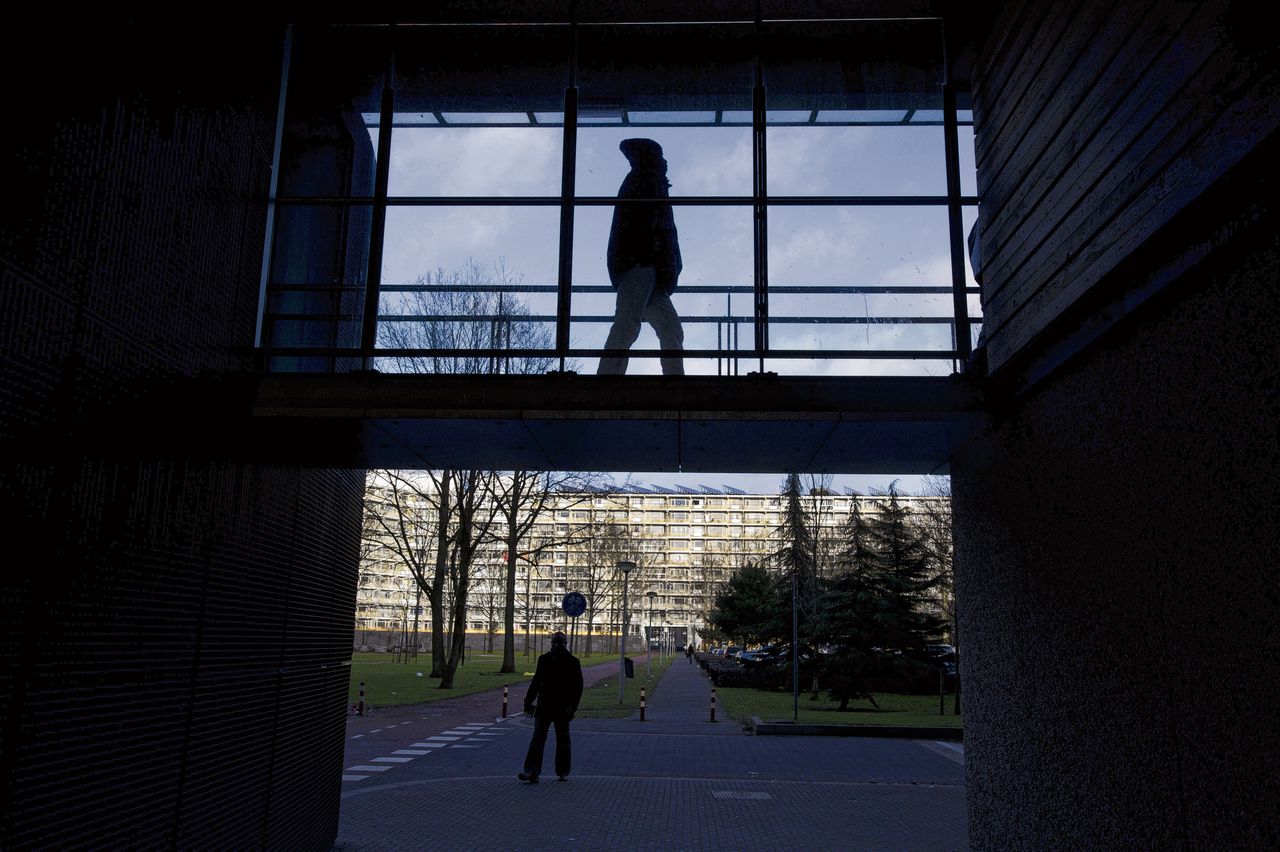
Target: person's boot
[[530, 777]]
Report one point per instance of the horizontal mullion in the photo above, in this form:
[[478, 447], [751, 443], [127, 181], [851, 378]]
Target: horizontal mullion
[[824, 354], [613, 201], [855, 289], [701, 320]]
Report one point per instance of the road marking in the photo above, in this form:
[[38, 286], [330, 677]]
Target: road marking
[[366, 768], [416, 752], [354, 777], [446, 739], [460, 733], [357, 736], [375, 730], [427, 745], [739, 794], [392, 759]]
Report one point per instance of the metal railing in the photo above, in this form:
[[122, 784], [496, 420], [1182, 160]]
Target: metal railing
[[729, 351]]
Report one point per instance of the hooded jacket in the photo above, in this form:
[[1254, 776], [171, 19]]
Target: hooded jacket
[[644, 233]]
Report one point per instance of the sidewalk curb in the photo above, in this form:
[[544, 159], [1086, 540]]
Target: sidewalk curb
[[761, 728]]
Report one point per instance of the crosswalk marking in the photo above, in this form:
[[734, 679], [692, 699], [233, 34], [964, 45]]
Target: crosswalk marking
[[366, 768], [417, 752], [354, 777], [392, 759]]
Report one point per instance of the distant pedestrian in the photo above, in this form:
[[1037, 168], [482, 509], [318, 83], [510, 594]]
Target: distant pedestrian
[[688, 652], [557, 689]]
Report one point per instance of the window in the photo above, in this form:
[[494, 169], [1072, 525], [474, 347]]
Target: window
[[459, 187]]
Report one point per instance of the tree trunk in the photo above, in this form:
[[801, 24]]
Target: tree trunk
[[509, 619]]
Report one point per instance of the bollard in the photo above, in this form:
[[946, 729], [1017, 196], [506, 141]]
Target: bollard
[[713, 703], [360, 706], [642, 704], [504, 701]]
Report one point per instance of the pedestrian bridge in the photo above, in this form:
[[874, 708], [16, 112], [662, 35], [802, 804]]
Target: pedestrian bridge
[[563, 421]]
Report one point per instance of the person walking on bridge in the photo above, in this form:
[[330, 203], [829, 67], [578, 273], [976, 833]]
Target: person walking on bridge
[[556, 688]]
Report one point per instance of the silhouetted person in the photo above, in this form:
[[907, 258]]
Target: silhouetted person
[[644, 260], [557, 688], [688, 652]]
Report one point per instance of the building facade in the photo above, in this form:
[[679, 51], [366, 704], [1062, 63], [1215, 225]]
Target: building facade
[[685, 542]]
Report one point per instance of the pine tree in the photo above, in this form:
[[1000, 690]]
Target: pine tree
[[876, 620], [748, 607], [901, 559]]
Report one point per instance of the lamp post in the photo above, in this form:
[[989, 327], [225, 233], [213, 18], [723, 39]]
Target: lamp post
[[648, 635], [625, 568]]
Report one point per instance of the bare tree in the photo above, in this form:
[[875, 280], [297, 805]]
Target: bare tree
[[602, 545], [462, 311], [472, 519], [409, 514], [521, 498]]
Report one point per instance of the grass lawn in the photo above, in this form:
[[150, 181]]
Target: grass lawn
[[392, 684], [742, 703], [601, 700]]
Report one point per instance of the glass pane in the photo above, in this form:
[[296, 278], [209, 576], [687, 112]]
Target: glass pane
[[448, 160], [842, 97], [677, 85], [968, 162], [494, 95], [858, 279], [469, 278], [860, 160], [851, 245], [315, 293], [713, 296], [700, 161], [335, 89]]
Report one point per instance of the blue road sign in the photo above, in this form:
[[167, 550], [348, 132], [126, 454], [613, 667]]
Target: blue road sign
[[574, 604]]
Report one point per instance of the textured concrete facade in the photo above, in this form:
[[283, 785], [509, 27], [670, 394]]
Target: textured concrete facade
[[175, 599], [1116, 570]]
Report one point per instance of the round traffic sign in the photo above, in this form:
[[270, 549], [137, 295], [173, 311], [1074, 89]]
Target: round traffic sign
[[574, 604]]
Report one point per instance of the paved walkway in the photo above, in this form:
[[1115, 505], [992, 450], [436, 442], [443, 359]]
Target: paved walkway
[[674, 781]]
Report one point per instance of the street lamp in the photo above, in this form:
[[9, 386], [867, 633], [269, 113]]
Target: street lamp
[[625, 568], [648, 635]]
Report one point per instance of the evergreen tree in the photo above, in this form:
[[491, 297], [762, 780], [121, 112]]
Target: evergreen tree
[[876, 619], [900, 557], [796, 558], [748, 607]]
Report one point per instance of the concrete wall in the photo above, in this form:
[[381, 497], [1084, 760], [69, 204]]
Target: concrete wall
[[177, 618], [1116, 565]]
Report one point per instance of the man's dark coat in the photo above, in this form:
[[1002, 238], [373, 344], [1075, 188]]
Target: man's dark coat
[[556, 685]]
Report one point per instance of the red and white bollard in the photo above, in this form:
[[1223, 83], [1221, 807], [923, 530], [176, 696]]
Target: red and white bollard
[[642, 704], [713, 703], [504, 701], [360, 706]]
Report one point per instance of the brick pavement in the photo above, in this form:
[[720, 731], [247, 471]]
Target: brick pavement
[[674, 781]]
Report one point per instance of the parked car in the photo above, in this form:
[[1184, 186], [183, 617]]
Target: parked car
[[717, 651], [732, 652]]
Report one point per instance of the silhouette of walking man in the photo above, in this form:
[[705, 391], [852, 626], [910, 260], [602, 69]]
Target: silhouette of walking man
[[644, 260], [557, 688]]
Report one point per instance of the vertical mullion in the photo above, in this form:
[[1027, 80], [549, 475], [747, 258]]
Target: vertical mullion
[[568, 187], [378, 223], [273, 189], [760, 212], [963, 345], [564, 285]]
